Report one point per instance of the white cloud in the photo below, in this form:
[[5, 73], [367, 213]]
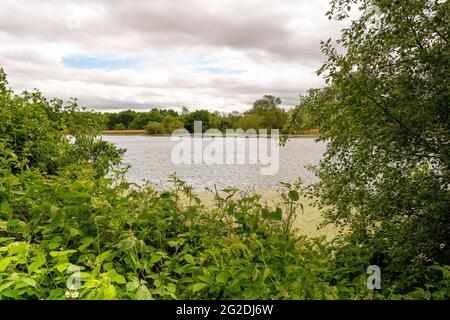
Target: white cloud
[[221, 55]]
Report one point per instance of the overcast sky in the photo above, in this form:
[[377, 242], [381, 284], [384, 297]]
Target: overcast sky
[[215, 54]]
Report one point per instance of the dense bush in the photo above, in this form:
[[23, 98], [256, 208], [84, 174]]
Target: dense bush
[[143, 244], [385, 117], [154, 128]]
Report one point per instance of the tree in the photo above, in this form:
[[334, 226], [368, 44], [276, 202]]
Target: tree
[[32, 126], [266, 103], [308, 113], [385, 172], [124, 117], [199, 115], [172, 123], [119, 126], [185, 111], [271, 115], [154, 128], [250, 121]]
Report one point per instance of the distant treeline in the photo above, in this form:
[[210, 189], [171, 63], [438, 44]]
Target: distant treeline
[[265, 113]]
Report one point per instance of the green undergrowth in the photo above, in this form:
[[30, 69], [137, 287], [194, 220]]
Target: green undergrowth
[[72, 227]]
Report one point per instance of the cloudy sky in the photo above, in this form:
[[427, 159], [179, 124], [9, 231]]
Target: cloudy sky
[[215, 54]]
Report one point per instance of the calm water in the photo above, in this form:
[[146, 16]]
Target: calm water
[[150, 158]]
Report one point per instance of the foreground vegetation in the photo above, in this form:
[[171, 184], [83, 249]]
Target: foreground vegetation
[[384, 178], [385, 116], [59, 212]]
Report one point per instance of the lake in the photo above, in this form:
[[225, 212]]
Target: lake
[[150, 157]]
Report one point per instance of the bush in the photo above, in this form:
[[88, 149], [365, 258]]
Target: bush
[[154, 128], [145, 245], [120, 126]]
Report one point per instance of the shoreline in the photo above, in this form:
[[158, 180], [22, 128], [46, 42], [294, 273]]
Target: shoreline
[[144, 133]]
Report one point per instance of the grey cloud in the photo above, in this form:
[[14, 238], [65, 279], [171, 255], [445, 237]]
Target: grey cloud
[[270, 38], [167, 24]]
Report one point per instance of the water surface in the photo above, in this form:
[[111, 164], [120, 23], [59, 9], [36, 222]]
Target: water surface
[[150, 157]]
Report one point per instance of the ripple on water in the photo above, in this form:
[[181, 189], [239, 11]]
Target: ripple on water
[[150, 158]]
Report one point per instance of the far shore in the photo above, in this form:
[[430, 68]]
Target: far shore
[[312, 133]]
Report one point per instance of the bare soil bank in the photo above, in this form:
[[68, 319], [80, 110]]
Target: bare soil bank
[[123, 132]]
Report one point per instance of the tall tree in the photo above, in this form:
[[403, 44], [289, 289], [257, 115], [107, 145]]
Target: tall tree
[[385, 116], [267, 108], [199, 115]]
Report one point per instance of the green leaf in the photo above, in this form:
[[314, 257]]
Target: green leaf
[[6, 285], [109, 292], [222, 277], [198, 286], [117, 278], [63, 266], [171, 288], [85, 243], [29, 282], [74, 232], [4, 263], [4, 207], [143, 293], [204, 278], [189, 259], [131, 286], [34, 266], [54, 210], [104, 256], [154, 259], [293, 195], [172, 243], [265, 213], [277, 214]]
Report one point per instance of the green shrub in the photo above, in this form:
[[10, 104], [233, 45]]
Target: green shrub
[[120, 126], [154, 128]]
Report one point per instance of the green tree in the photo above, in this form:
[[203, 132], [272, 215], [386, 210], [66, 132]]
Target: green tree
[[385, 117], [124, 117], [267, 108], [310, 112], [154, 128], [185, 111], [250, 121], [265, 104], [119, 126], [199, 115], [171, 123], [36, 130]]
